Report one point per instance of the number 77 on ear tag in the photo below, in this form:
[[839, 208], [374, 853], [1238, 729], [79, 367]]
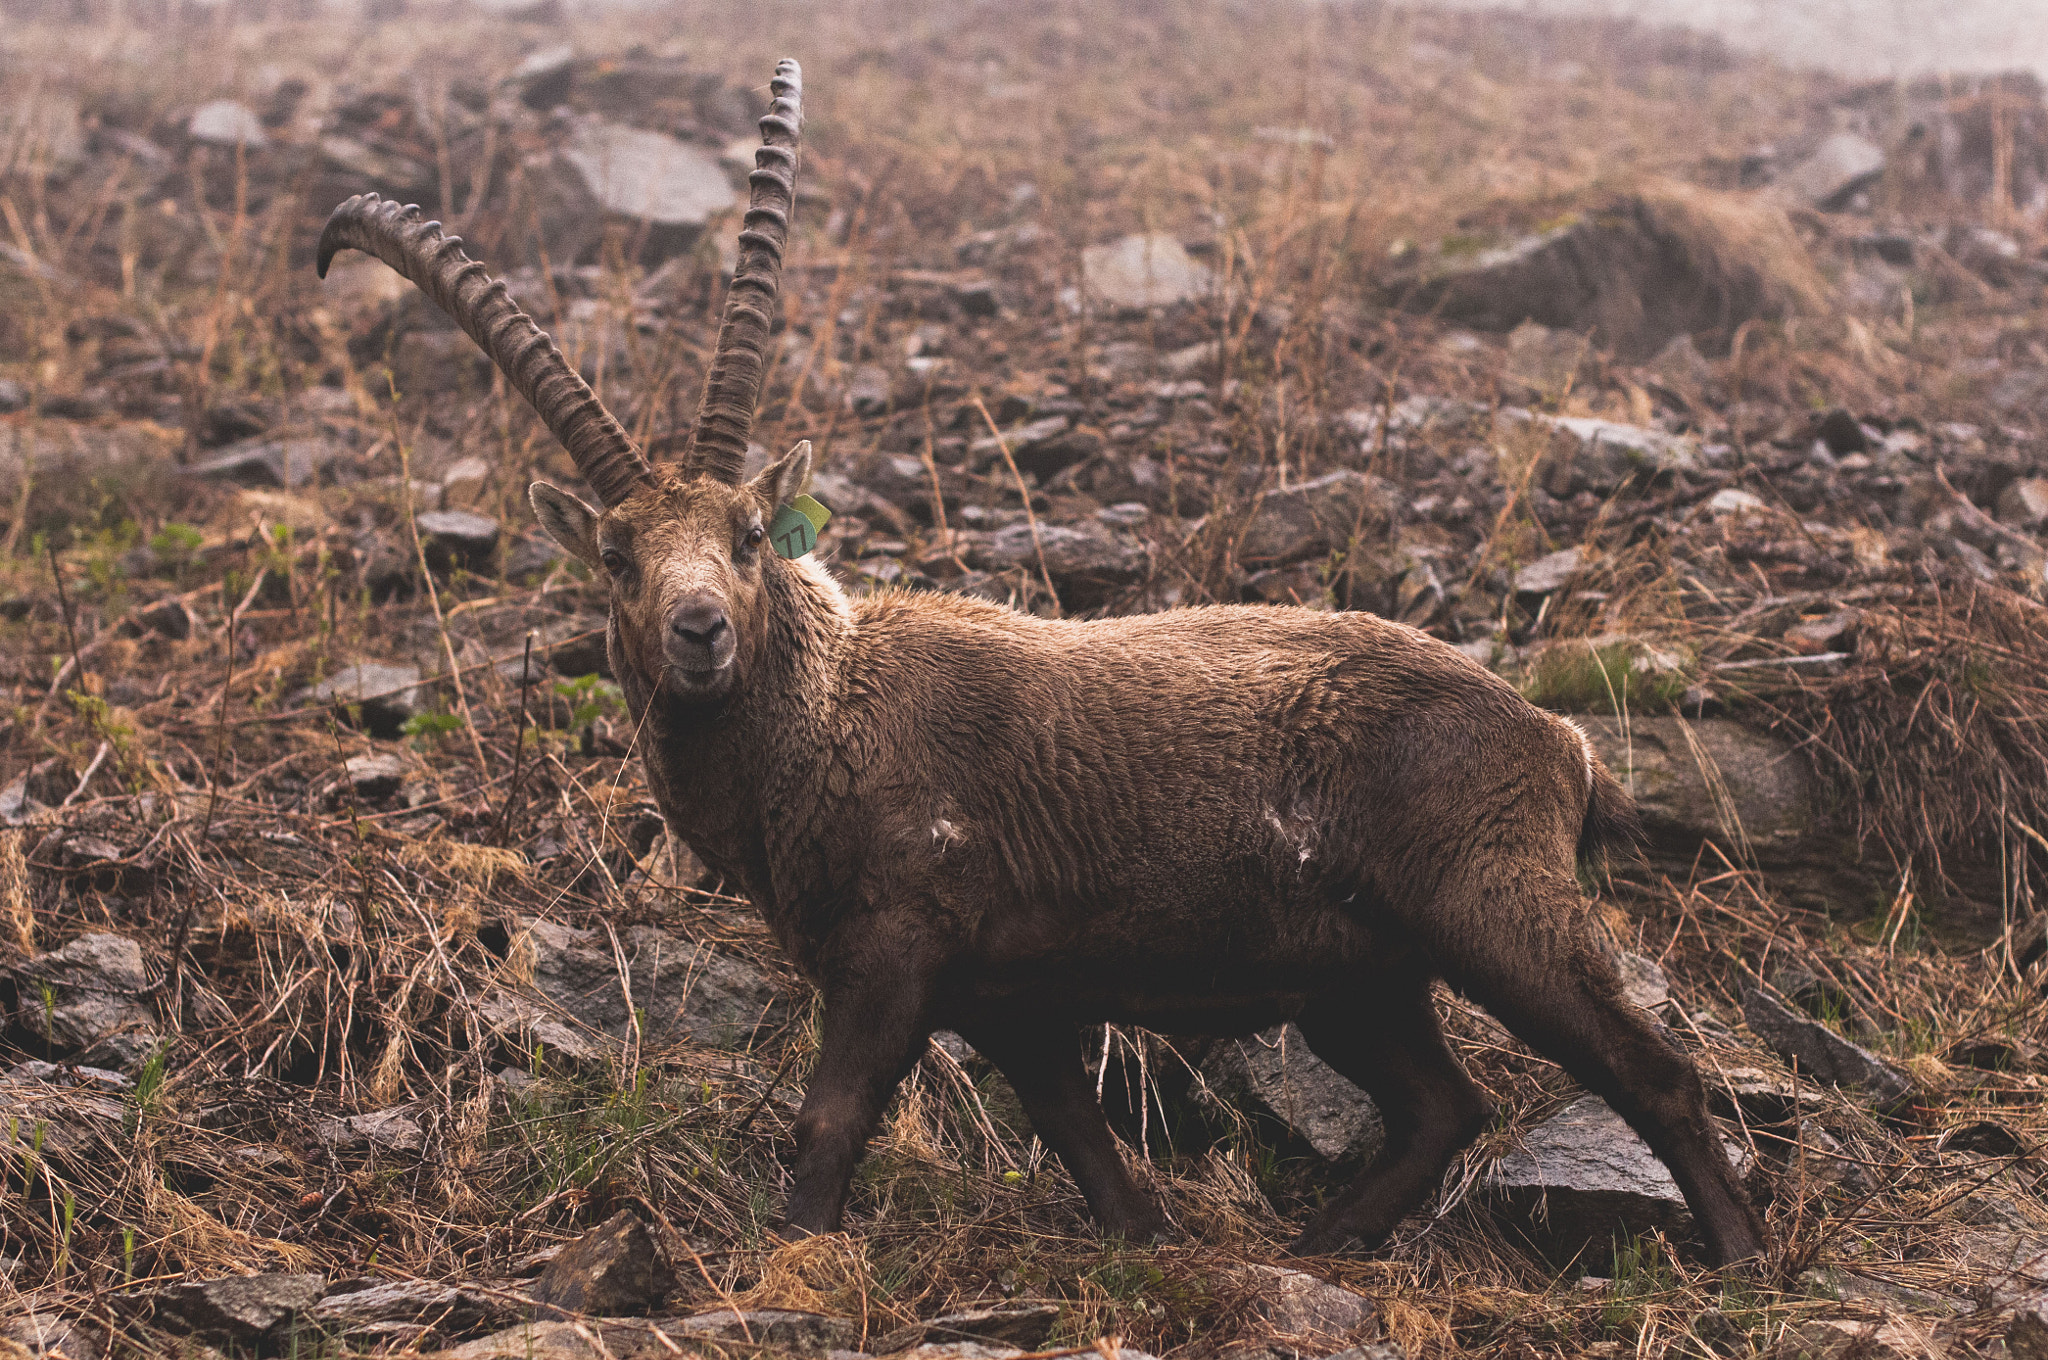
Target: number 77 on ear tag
[[796, 527]]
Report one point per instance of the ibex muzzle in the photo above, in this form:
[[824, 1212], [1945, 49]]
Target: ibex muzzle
[[956, 816]]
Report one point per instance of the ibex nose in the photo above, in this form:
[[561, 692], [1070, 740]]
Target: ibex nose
[[699, 634]]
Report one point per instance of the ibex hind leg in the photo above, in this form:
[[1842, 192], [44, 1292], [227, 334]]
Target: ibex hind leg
[[1042, 1062], [1385, 1038], [1538, 966]]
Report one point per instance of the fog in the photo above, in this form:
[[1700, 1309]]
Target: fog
[[1859, 37]]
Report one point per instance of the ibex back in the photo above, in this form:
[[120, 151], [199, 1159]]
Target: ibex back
[[953, 815]]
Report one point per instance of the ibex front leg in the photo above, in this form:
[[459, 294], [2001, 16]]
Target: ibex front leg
[[875, 1028]]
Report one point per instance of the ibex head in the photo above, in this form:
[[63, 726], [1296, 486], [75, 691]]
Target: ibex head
[[685, 550]]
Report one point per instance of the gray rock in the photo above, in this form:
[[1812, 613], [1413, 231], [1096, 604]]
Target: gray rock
[[1024, 1325], [1046, 457], [248, 1308], [378, 775], [282, 463], [466, 472], [68, 1120], [387, 695], [1709, 780], [988, 449], [399, 1309], [1312, 518], [954, 1350], [1088, 560], [1643, 981], [867, 393], [541, 1341], [1582, 1178], [68, 1074], [172, 618], [2024, 504], [1553, 571], [395, 1129], [1681, 367], [1301, 1307], [1823, 1054], [1544, 360], [2027, 1337], [528, 1023], [684, 990], [46, 1334], [226, 122], [774, 1329], [1887, 1338], [1633, 273], [1587, 454], [649, 176], [78, 995], [1143, 271], [13, 397], [1276, 1072], [439, 360], [1378, 1350], [1841, 166], [611, 1271], [457, 538]]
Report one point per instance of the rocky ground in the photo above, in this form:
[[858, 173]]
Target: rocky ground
[[351, 997]]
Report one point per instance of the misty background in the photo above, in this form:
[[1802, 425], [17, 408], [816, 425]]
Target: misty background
[[1856, 37]]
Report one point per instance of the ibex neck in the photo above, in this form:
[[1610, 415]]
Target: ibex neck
[[733, 780]]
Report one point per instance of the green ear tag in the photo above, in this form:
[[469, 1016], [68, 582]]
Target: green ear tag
[[796, 526]]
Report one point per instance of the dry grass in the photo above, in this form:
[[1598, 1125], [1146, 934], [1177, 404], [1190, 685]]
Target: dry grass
[[319, 957]]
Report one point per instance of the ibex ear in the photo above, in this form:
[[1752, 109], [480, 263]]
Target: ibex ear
[[568, 520], [780, 481]]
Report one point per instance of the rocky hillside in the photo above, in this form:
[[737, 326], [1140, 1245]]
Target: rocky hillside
[[352, 998]]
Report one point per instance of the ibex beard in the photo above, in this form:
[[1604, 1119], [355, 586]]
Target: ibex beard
[[954, 815]]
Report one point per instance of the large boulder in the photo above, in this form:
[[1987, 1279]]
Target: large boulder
[[1633, 273]]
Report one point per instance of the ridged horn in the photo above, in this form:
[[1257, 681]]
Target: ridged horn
[[481, 305], [725, 417]]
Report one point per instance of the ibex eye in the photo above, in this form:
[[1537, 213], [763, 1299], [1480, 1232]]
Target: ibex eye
[[614, 561], [755, 535]]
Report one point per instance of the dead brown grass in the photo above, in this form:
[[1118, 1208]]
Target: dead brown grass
[[320, 957]]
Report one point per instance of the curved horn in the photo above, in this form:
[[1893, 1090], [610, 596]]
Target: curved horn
[[481, 306], [718, 443]]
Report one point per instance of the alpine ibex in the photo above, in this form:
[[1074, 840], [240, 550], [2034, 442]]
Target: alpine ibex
[[954, 815]]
